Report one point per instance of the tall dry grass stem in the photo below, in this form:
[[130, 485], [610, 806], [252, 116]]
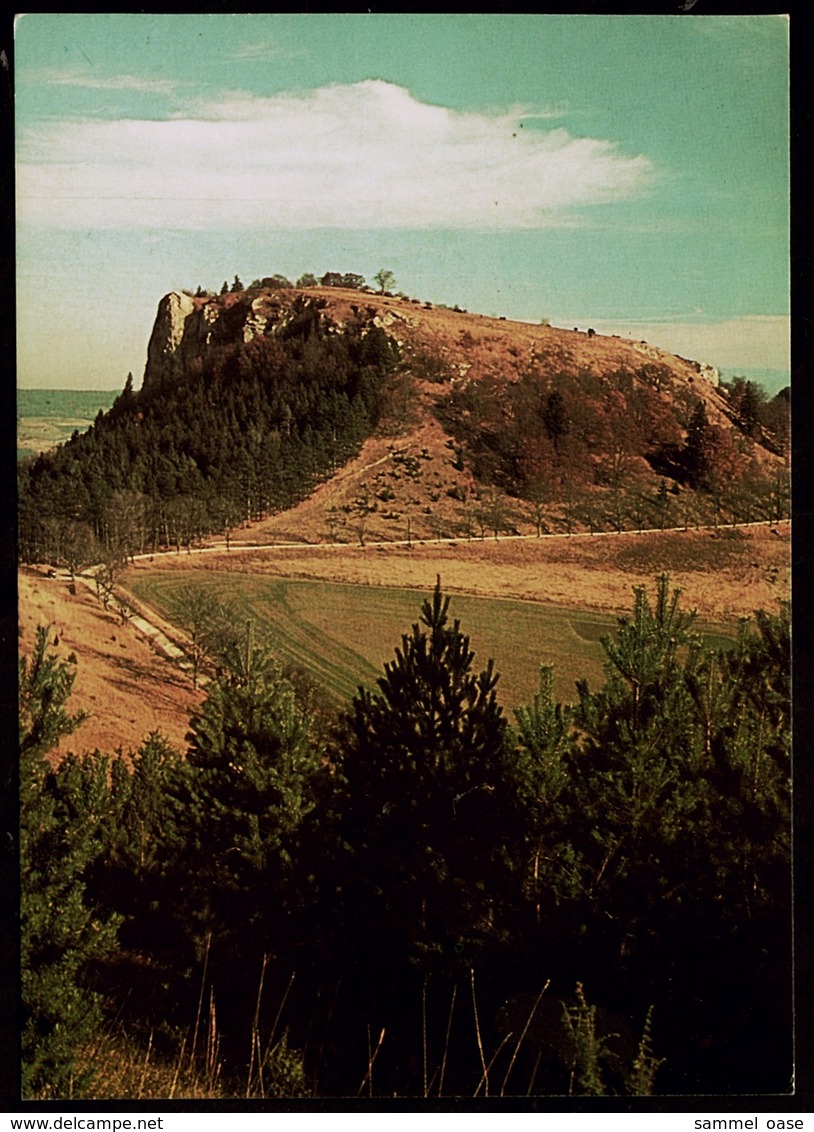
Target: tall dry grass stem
[[446, 1040], [255, 1051], [523, 1033], [200, 999], [484, 1081], [280, 1009], [485, 1078], [424, 1030], [213, 1065], [271, 1044], [178, 1065], [371, 1058], [146, 1063], [534, 1073]]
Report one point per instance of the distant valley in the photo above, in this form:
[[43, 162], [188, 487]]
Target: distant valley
[[47, 417]]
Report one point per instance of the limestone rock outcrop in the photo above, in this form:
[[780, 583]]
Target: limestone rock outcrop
[[163, 362], [187, 328]]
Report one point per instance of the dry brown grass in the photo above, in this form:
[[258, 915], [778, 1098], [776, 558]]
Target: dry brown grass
[[168, 1065], [724, 575], [126, 688], [123, 1069]]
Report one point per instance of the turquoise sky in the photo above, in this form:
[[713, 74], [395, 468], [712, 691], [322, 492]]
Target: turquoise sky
[[624, 172]]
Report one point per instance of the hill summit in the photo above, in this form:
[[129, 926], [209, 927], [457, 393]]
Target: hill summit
[[330, 413], [188, 327]]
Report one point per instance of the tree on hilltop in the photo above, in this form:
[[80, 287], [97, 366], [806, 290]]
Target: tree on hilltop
[[385, 279], [276, 281], [350, 280]]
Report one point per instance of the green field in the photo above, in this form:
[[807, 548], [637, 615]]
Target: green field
[[343, 634], [47, 417]]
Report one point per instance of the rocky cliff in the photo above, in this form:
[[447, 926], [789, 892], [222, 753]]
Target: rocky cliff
[[188, 328], [463, 346]]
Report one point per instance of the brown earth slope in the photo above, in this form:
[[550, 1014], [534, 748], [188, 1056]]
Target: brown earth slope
[[127, 689], [409, 478]]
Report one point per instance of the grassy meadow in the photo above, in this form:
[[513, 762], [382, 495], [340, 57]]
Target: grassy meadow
[[343, 634]]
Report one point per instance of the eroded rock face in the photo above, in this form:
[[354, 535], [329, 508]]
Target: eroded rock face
[[710, 373], [166, 338], [187, 328]]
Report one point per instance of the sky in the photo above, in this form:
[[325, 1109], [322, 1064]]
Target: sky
[[628, 173]]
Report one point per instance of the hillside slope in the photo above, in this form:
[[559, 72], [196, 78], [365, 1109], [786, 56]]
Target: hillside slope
[[329, 414], [420, 476]]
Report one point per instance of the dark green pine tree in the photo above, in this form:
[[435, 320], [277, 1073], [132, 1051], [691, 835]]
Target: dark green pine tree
[[742, 700], [61, 814], [136, 875], [635, 777], [124, 403], [430, 808], [430, 847], [696, 454], [253, 763], [545, 746], [748, 399], [673, 840]]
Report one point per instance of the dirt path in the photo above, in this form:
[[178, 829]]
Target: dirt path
[[724, 575], [129, 684]]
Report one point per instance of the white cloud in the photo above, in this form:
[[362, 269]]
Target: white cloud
[[750, 342], [131, 83], [366, 155], [259, 50]]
